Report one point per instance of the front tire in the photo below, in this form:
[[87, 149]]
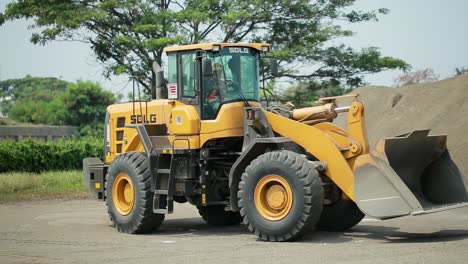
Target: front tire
[[280, 196], [129, 195]]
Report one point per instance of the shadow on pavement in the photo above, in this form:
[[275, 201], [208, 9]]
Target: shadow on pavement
[[197, 227], [393, 235], [385, 234]]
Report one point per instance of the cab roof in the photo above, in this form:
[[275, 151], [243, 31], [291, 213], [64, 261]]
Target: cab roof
[[209, 46]]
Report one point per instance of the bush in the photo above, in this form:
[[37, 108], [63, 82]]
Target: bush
[[33, 156]]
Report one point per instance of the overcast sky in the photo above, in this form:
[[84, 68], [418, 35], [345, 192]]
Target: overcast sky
[[425, 33]]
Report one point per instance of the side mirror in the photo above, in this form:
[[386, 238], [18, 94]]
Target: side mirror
[[274, 67], [207, 70], [159, 81]]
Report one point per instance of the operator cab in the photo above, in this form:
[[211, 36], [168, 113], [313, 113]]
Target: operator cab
[[211, 75]]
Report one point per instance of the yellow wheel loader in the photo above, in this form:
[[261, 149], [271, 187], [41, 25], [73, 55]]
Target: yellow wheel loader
[[279, 171]]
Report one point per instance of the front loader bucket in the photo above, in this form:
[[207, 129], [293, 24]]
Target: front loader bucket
[[408, 174]]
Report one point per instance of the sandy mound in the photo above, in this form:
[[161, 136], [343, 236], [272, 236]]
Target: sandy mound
[[440, 106]]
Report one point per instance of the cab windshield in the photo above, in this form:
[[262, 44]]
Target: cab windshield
[[235, 78]]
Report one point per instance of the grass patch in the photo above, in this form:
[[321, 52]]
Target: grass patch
[[19, 186]]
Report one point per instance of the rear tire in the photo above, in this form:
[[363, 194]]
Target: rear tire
[[280, 196], [131, 213], [340, 216], [215, 215]]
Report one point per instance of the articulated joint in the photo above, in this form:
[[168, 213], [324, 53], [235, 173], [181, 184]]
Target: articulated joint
[[355, 148]]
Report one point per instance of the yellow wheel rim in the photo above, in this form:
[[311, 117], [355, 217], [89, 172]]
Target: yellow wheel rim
[[273, 197], [123, 194]]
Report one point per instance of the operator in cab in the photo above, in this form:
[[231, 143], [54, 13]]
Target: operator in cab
[[218, 87]]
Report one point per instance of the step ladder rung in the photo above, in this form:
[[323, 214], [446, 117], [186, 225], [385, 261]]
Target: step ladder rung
[[163, 192], [160, 211]]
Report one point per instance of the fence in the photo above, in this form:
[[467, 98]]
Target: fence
[[39, 133]]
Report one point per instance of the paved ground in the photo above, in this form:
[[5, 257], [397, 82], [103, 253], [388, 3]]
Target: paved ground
[[79, 232]]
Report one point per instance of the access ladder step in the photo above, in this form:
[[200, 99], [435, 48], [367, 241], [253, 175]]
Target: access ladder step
[[163, 171], [160, 211], [164, 192], [169, 208]]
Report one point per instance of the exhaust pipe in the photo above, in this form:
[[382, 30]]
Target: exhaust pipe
[[409, 174]]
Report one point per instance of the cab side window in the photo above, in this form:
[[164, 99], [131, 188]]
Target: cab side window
[[188, 75], [172, 68]]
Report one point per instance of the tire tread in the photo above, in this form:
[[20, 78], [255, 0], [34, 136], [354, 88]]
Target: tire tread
[[145, 220], [312, 186]]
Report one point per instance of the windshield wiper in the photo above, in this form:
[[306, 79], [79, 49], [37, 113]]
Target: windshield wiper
[[237, 89]]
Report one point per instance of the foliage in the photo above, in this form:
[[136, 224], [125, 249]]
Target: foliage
[[16, 186], [461, 70], [32, 156], [268, 92], [20, 95], [305, 94], [299, 95], [84, 104], [52, 101], [128, 35], [33, 112], [421, 76]]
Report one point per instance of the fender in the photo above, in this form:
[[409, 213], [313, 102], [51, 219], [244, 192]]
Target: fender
[[255, 148]]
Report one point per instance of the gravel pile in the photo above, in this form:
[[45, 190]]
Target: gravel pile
[[440, 106]]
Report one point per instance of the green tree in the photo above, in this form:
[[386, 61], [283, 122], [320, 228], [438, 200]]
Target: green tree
[[52, 101], [299, 95], [84, 104], [33, 112], [306, 93], [128, 35], [16, 92]]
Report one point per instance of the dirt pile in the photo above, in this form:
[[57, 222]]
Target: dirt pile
[[440, 106]]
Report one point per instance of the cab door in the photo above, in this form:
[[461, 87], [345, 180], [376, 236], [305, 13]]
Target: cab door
[[187, 91]]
